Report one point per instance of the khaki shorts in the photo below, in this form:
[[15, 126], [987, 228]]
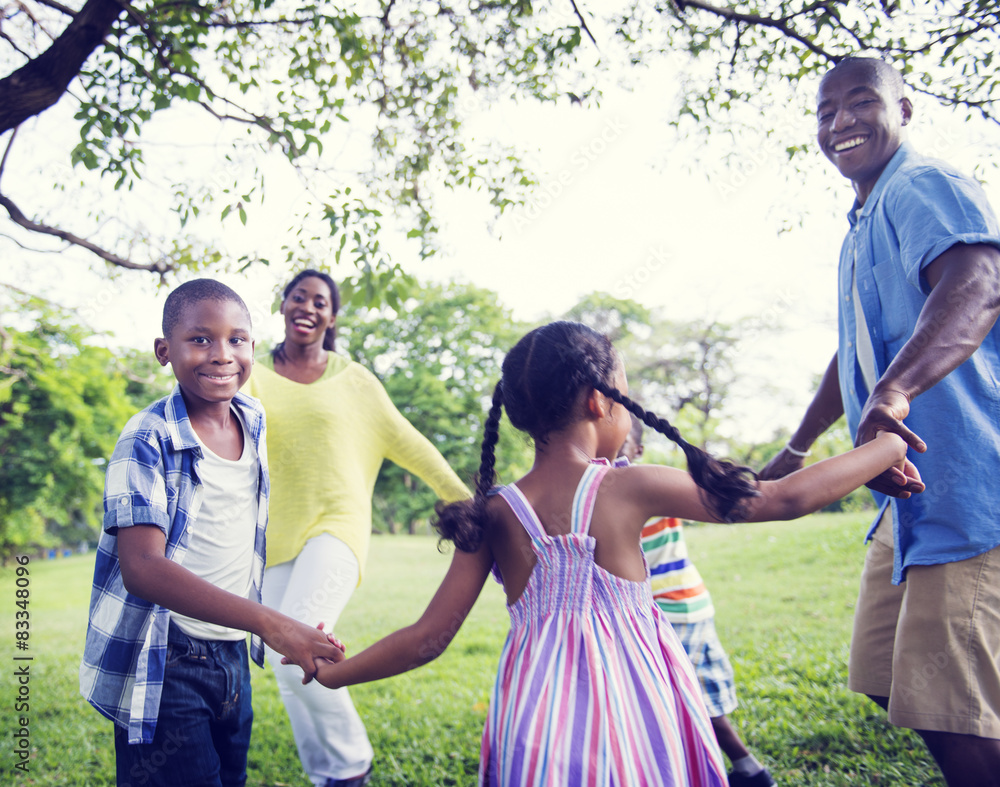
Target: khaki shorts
[[932, 644]]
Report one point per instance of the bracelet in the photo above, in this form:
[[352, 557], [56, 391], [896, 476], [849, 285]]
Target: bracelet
[[797, 452]]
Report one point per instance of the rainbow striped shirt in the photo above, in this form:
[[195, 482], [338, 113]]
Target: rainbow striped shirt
[[677, 586]]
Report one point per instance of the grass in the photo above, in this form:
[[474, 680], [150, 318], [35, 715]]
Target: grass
[[784, 595]]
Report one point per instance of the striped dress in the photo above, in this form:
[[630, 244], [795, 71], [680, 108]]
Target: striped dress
[[593, 687]]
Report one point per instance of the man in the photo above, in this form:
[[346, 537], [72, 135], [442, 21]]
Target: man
[[919, 296]]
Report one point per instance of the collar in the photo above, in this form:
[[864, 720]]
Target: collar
[[857, 211], [182, 436]]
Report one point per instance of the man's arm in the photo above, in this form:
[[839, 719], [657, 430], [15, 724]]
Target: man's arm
[[824, 410], [150, 575], [960, 311]]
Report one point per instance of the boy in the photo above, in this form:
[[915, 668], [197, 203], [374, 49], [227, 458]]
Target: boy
[[684, 601], [179, 564]]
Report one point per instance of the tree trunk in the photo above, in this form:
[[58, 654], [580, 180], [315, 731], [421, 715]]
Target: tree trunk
[[41, 82]]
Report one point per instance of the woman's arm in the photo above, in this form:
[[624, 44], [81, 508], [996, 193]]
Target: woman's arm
[[407, 447], [425, 640]]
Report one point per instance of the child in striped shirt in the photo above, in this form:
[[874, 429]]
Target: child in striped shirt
[[682, 597]]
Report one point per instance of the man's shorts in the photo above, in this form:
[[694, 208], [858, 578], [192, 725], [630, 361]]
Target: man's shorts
[[932, 644], [711, 665]]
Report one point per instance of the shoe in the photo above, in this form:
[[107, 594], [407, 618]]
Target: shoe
[[760, 779], [357, 781]]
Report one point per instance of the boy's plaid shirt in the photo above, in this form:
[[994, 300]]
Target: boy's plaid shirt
[[152, 479]]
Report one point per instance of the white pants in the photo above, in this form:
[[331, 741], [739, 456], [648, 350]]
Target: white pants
[[314, 587]]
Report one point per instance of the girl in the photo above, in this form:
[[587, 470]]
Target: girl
[[593, 685], [330, 425]]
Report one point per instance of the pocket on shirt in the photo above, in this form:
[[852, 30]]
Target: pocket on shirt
[[895, 313]]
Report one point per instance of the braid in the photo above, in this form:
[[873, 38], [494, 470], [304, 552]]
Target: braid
[[491, 434], [464, 522], [727, 485]]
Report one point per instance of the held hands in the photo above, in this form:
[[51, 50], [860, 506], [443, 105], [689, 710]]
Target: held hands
[[884, 413], [323, 673], [302, 645]]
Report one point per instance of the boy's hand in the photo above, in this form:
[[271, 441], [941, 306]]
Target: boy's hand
[[301, 644], [325, 676]]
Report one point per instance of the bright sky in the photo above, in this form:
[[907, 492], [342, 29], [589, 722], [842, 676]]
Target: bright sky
[[623, 207]]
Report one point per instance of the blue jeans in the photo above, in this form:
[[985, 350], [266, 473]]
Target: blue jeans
[[203, 727]]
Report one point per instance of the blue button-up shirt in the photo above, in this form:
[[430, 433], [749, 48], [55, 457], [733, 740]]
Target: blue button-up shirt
[[152, 479], [920, 208]]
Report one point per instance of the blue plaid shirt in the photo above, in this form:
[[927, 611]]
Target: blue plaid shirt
[[152, 479]]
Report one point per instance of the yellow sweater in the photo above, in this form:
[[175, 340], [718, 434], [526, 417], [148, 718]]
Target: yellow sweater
[[325, 445]]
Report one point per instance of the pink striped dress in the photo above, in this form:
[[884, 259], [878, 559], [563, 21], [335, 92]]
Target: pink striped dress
[[594, 687]]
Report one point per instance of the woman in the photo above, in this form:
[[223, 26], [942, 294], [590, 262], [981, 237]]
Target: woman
[[330, 424]]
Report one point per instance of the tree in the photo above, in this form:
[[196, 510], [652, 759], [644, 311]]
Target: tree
[[63, 403], [438, 357], [298, 79], [684, 370]]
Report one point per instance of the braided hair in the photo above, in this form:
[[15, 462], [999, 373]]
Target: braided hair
[[544, 377], [330, 337]]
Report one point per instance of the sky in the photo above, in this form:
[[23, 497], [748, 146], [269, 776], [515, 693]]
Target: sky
[[624, 205]]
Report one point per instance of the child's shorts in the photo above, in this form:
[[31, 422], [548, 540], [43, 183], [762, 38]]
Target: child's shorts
[[931, 645], [711, 665]]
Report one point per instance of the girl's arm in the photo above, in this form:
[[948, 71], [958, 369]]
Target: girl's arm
[[425, 640], [662, 491], [822, 483]]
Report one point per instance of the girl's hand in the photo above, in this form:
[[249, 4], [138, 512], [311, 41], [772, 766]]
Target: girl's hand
[[336, 657], [333, 640], [901, 480]]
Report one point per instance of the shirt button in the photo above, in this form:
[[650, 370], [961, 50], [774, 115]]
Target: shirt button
[[123, 501]]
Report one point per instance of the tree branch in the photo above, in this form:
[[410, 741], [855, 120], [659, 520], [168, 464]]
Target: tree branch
[[40, 82], [18, 217], [58, 7], [583, 23], [781, 25], [6, 153]]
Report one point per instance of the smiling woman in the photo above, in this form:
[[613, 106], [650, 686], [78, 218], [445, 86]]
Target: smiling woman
[[330, 425]]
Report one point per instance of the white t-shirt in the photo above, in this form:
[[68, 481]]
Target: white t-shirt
[[221, 539]]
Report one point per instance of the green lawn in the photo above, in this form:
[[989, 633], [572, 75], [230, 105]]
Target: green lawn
[[784, 595]]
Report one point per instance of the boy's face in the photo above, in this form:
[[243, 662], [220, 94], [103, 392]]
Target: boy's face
[[861, 123], [210, 350]]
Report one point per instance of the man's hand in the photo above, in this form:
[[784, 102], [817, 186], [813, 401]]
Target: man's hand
[[884, 412], [782, 464]]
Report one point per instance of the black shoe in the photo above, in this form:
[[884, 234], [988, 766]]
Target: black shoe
[[357, 781], [760, 779]]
